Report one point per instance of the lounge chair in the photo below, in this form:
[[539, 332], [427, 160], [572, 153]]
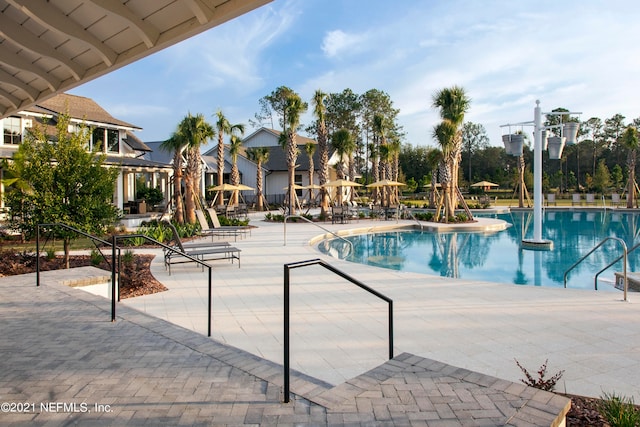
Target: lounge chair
[[338, 214], [576, 199], [615, 199], [591, 199], [551, 199], [200, 251], [232, 230]]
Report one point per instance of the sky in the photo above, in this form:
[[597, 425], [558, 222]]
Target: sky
[[582, 55]]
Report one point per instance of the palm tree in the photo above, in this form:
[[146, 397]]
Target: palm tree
[[195, 131], [343, 144], [260, 155], [235, 143], [630, 142], [319, 111], [453, 104], [176, 144], [310, 149], [434, 160], [294, 107], [224, 127], [386, 170]]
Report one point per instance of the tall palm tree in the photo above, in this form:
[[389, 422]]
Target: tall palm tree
[[630, 142], [224, 127], [260, 155], [453, 104], [310, 148], [380, 130], [386, 161], [195, 131], [294, 107], [319, 111], [343, 144], [235, 143], [176, 144]]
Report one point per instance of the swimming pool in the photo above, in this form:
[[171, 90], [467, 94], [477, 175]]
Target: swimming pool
[[497, 257]]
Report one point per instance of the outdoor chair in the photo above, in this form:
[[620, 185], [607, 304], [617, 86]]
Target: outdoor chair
[[615, 199], [236, 229], [338, 214], [207, 230], [551, 200], [203, 253], [591, 199], [576, 199]]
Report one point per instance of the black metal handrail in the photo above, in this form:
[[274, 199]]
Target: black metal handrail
[[114, 240], [94, 239], [290, 266], [624, 262]]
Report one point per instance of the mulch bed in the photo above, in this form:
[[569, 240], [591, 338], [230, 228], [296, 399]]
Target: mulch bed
[[135, 279]]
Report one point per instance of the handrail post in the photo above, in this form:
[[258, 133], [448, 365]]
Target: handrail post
[[210, 303], [286, 334], [38, 255], [287, 285], [113, 277]]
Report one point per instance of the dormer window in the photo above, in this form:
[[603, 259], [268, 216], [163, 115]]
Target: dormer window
[[12, 130], [111, 136]]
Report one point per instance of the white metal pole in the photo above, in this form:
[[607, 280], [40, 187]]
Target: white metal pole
[[537, 174]]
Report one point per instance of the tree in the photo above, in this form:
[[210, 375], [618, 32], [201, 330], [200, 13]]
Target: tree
[[310, 148], [194, 131], [176, 144], [260, 155], [602, 178], [319, 112], [593, 127], [294, 108], [453, 104], [235, 143], [223, 128], [474, 138], [342, 143], [62, 183], [630, 142]]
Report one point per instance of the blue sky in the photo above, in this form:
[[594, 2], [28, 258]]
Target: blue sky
[[580, 55]]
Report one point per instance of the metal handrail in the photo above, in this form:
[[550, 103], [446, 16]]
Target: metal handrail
[[414, 217], [595, 280], [317, 225], [58, 224], [624, 263], [115, 238], [290, 266]]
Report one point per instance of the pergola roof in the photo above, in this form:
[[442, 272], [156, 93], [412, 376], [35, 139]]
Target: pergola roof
[[49, 47]]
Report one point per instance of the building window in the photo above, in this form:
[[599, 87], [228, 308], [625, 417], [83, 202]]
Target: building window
[[113, 141], [298, 181], [12, 130], [97, 140]]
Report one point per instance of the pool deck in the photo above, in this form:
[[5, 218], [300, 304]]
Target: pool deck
[[462, 334]]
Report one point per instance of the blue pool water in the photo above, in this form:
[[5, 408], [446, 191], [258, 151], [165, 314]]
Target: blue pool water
[[497, 257]]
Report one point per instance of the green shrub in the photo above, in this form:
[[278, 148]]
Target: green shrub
[[619, 411], [96, 257], [50, 254], [127, 257]]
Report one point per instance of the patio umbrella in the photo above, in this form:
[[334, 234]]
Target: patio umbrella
[[340, 183], [486, 185], [243, 187], [224, 187], [385, 183]]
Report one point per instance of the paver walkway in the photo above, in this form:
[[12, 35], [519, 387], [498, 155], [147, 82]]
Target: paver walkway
[[64, 363]]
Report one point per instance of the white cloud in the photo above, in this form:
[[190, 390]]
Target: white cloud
[[337, 42]]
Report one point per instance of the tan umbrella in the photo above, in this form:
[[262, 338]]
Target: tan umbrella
[[312, 187], [342, 183], [429, 185], [385, 183], [484, 184], [243, 187], [224, 187], [295, 187]]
